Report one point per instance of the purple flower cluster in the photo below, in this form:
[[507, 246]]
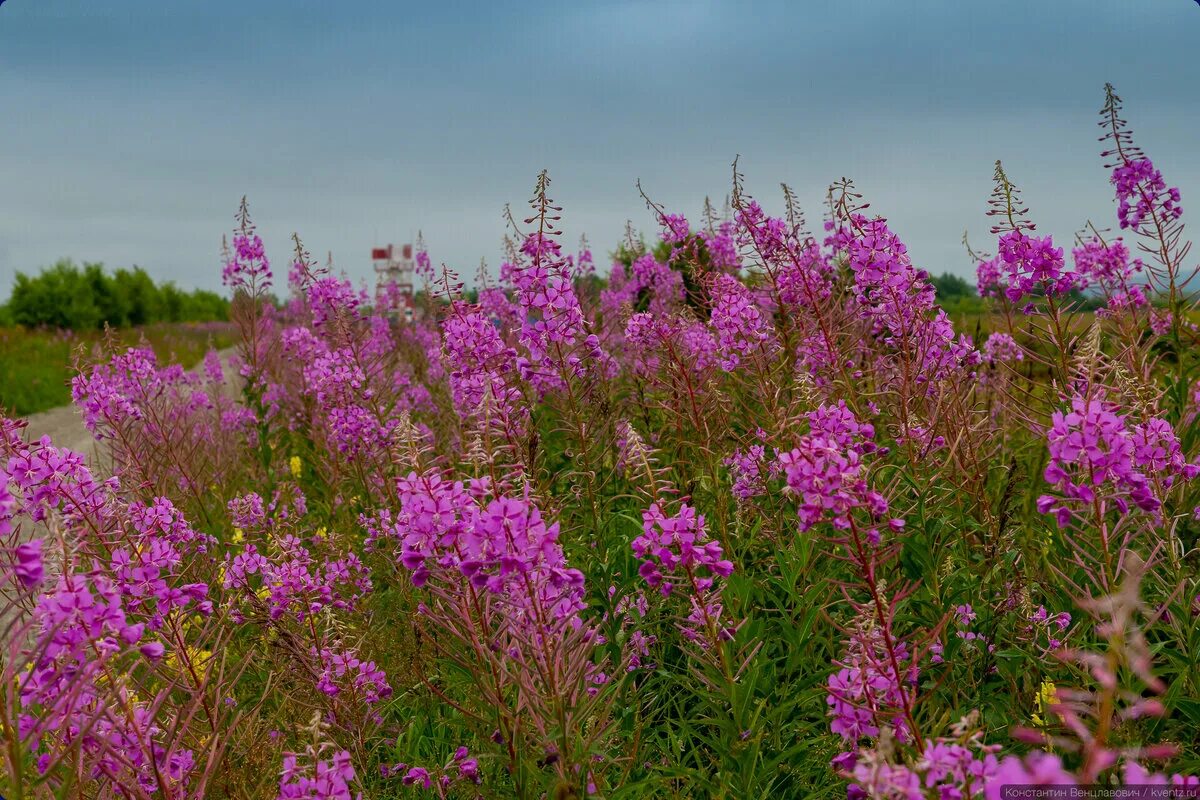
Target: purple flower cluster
[[503, 546], [1096, 457], [678, 545], [118, 391], [342, 671], [482, 367], [676, 551], [1108, 265], [684, 344], [330, 298], [554, 332], [294, 582], [462, 768], [722, 248], [866, 691], [749, 470], [826, 472], [989, 278], [249, 266], [1033, 264], [1000, 348], [899, 303], [1142, 194], [948, 769], [888, 288], [675, 228], [742, 329], [83, 633], [1051, 626], [329, 779]]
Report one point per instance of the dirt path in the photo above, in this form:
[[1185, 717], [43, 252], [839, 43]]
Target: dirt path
[[64, 425]]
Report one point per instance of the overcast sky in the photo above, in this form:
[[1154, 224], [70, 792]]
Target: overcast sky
[[130, 129]]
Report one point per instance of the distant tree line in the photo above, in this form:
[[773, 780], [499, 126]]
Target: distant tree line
[[88, 297]]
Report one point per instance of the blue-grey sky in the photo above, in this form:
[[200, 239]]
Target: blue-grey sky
[[129, 129]]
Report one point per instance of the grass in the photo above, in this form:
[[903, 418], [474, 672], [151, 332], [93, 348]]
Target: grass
[[36, 365]]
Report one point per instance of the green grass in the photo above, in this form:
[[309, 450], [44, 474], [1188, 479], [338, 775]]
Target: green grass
[[36, 366]]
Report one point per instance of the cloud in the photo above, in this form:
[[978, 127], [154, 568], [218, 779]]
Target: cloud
[[132, 129]]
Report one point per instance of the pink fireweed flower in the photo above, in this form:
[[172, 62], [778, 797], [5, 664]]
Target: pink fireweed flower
[[346, 672], [805, 279], [1106, 264], [1036, 769], [769, 236], [741, 327], [461, 768], [675, 228], [502, 312], [295, 583], [329, 779], [330, 298], [1156, 449], [424, 264], [248, 266], [1161, 321], [989, 278], [677, 553], [866, 692], [585, 264], [888, 287], [950, 769], [683, 344], [45, 479], [554, 330], [1001, 348], [722, 247], [826, 471], [502, 546], [116, 392], [1142, 193], [1034, 265], [670, 546], [247, 511], [899, 301], [83, 636], [1091, 446], [481, 365], [27, 566], [748, 468], [1051, 627]]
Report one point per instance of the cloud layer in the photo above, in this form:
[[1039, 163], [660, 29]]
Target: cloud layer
[[130, 130]]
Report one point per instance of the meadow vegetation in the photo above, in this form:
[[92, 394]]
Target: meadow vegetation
[[37, 364], [742, 515], [56, 320]]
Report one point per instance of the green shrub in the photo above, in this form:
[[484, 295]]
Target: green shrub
[[88, 298]]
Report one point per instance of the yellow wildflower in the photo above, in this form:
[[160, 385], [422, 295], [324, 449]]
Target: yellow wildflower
[[322, 532], [295, 465], [238, 536], [197, 657], [1045, 701]]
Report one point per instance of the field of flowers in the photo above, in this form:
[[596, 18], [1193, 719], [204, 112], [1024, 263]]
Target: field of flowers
[[38, 363], [745, 517]]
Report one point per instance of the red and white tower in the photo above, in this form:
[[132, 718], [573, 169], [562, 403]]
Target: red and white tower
[[394, 276]]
